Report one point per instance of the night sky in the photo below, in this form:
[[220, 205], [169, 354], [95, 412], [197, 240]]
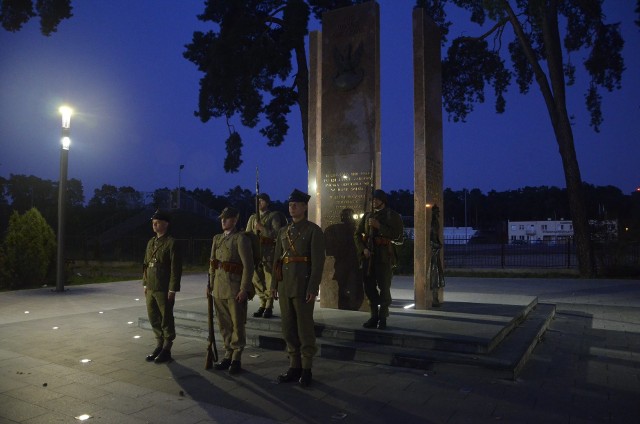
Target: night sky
[[119, 65]]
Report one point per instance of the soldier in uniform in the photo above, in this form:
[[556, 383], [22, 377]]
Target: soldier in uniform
[[266, 228], [298, 263], [230, 271], [374, 236], [162, 270]]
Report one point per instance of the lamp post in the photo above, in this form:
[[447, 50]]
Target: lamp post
[[466, 240], [62, 193], [179, 184]]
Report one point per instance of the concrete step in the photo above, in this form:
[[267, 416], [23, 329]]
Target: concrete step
[[502, 345]]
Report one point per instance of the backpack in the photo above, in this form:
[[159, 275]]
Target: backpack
[[255, 247]]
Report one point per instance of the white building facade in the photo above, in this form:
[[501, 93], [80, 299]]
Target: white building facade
[[521, 232]]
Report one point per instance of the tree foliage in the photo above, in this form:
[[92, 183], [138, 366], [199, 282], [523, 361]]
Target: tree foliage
[[545, 34], [29, 248], [254, 65], [14, 14]]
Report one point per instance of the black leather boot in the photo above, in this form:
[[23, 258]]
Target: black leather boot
[[268, 313], [235, 367], [305, 377], [151, 357], [382, 321], [292, 374], [222, 365], [259, 312], [164, 356], [373, 321]]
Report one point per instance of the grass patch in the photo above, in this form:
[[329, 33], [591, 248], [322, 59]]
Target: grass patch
[[92, 272]]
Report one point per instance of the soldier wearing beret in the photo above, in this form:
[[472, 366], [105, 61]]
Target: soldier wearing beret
[[162, 271], [230, 272], [374, 239], [298, 263], [265, 227]]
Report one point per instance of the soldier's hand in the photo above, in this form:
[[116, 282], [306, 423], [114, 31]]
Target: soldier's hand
[[171, 296], [311, 297], [145, 290], [374, 223], [241, 296], [274, 294], [259, 227]]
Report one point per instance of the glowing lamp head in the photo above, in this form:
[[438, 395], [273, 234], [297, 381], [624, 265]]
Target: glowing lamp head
[[66, 142], [66, 112]]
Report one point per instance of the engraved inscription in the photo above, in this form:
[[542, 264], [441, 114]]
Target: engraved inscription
[[344, 190]]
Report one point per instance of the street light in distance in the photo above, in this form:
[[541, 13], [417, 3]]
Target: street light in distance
[[65, 141]]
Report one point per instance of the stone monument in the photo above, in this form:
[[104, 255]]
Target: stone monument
[[344, 140]]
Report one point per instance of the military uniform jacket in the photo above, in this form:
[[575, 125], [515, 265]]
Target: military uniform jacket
[[272, 222], [300, 240], [162, 264], [391, 228], [235, 248]]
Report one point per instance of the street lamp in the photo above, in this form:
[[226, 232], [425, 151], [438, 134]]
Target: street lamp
[[179, 184], [62, 193]]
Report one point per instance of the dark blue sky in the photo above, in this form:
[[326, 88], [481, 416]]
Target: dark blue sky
[[119, 64]]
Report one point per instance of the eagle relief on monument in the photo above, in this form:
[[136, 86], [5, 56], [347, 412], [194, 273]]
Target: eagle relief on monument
[[349, 73]]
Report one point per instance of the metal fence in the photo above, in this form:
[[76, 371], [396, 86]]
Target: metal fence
[[456, 255], [509, 255], [131, 249]]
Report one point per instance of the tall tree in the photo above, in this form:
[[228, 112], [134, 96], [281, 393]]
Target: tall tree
[[255, 65], [473, 62], [15, 13]]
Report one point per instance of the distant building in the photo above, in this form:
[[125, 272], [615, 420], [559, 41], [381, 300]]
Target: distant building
[[525, 232], [558, 231]]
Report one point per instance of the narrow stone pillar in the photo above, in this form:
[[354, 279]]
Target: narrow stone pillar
[[427, 153]]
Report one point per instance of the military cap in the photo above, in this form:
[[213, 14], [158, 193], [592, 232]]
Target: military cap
[[162, 215], [298, 196], [265, 197], [229, 212], [380, 195]]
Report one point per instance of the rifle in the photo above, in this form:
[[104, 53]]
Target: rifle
[[370, 236], [212, 350], [258, 212]]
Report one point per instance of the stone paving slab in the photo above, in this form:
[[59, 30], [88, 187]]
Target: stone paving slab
[[585, 370]]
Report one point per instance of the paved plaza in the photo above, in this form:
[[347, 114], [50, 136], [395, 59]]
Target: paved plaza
[[63, 355]]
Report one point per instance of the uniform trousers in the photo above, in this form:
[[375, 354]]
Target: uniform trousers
[[232, 318], [262, 278], [377, 286], [298, 330], [160, 312]]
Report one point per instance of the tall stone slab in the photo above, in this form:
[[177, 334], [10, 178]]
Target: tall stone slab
[[428, 174], [344, 140]]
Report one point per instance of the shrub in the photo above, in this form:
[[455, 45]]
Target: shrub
[[30, 250]]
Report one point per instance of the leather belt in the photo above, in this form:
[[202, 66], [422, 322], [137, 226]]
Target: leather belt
[[231, 267], [289, 259]]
